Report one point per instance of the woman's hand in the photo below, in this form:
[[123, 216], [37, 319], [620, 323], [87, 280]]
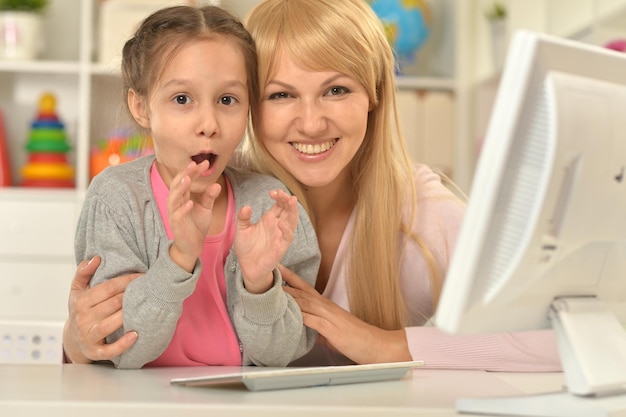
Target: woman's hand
[[352, 337], [95, 313]]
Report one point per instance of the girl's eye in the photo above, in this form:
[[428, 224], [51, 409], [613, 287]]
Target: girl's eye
[[228, 100], [278, 96], [182, 99], [337, 91]]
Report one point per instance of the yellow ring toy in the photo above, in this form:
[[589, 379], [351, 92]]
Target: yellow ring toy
[[47, 171]]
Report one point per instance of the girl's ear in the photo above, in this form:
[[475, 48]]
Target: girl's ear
[[139, 109]]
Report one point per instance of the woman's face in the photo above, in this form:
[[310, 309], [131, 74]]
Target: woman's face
[[313, 122]]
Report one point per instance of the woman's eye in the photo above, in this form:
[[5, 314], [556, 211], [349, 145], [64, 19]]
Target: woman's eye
[[337, 91], [228, 100], [277, 96], [182, 99]]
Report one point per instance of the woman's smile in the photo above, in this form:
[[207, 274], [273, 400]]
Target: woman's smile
[[313, 149]]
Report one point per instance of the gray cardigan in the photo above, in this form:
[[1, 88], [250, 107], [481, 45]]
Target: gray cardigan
[[120, 221]]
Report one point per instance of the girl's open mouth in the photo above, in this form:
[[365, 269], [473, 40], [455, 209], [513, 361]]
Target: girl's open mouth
[[204, 157]]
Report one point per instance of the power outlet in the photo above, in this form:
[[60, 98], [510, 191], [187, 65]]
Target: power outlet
[[31, 342]]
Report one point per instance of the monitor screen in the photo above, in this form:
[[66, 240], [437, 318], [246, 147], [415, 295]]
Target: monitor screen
[[543, 243]]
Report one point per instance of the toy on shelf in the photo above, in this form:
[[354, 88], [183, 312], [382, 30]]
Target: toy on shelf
[[5, 167], [121, 146], [407, 25], [47, 146], [618, 45]]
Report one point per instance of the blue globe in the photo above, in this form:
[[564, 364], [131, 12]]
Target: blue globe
[[406, 25]]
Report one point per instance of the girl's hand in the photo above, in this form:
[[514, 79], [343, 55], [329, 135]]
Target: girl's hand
[[352, 337], [261, 246], [190, 220]]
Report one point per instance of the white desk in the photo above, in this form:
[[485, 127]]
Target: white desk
[[102, 391]]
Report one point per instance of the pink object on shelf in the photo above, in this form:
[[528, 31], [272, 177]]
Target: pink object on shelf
[[5, 167], [617, 45]]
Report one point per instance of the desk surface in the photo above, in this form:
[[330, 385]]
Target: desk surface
[[100, 390]]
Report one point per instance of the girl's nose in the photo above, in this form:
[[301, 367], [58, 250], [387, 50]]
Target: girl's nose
[[208, 125]]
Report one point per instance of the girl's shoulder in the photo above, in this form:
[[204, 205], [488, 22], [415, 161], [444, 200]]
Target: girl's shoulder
[[121, 181], [128, 172]]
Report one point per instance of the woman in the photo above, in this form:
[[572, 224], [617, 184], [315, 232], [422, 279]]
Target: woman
[[326, 126]]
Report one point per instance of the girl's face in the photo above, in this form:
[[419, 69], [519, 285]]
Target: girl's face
[[313, 122], [198, 109]]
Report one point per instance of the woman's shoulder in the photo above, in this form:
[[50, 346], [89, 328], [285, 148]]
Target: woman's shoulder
[[437, 215], [437, 203], [433, 184]]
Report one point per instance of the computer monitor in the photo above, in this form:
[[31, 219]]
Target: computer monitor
[[543, 242]]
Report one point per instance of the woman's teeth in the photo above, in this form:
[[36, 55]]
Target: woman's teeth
[[313, 149]]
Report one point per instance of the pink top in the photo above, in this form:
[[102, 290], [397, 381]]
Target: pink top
[[204, 334], [437, 222]]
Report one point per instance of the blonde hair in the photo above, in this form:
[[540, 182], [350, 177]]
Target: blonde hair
[[347, 37]]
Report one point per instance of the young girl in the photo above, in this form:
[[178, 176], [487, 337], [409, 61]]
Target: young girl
[[185, 220]]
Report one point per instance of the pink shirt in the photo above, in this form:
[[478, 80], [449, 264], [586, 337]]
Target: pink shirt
[[437, 222], [204, 334]]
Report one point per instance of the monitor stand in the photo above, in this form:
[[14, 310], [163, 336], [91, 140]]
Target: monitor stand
[[559, 404], [592, 347]]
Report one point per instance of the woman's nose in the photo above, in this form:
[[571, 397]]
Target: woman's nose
[[312, 117]]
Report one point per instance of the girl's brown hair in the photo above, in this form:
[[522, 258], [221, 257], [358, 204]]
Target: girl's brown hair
[[163, 33]]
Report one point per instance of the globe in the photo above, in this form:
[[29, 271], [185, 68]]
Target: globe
[[406, 24]]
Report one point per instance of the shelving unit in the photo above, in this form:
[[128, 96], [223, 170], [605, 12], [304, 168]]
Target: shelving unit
[[37, 225], [441, 87], [592, 21]]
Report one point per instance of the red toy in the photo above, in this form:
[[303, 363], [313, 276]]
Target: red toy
[[117, 149]]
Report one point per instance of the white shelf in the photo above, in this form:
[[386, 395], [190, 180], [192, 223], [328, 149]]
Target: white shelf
[[104, 69], [40, 67], [425, 83], [36, 195]]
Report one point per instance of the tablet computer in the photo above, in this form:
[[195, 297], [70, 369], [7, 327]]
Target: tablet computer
[[263, 379]]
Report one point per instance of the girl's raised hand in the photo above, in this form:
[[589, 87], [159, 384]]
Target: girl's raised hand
[[190, 219], [261, 246]]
